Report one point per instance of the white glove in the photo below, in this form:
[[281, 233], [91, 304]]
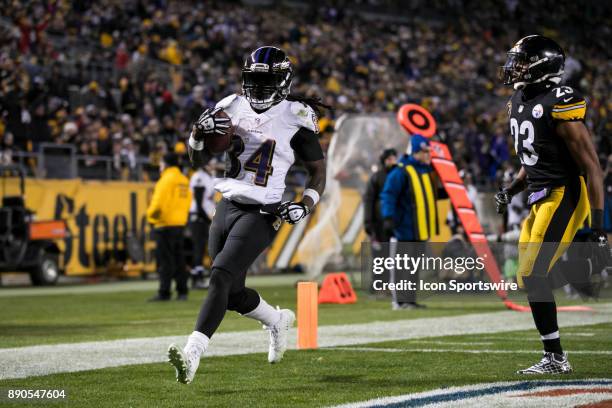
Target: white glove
[[208, 123], [292, 212]]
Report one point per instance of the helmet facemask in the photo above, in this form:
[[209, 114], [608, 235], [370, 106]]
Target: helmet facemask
[[515, 68], [520, 72], [263, 88]]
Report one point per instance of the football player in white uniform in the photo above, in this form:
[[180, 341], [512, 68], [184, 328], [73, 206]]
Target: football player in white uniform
[[271, 129]]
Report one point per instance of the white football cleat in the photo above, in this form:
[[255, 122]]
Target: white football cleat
[[184, 362], [278, 335], [551, 363]]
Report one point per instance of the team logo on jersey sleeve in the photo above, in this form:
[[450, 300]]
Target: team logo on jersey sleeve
[[315, 122], [537, 111]]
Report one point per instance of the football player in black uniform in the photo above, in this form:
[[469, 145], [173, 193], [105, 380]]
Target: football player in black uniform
[[561, 171]]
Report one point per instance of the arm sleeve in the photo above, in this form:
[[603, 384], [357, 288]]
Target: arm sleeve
[[568, 106], [306, 145], [388, 197], [198, 157]]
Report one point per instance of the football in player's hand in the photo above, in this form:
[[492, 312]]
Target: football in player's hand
[[218, 141]]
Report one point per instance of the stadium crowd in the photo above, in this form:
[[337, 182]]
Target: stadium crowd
[[127, 79]]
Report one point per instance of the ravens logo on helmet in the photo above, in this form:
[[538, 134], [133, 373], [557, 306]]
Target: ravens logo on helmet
[[266, 77]]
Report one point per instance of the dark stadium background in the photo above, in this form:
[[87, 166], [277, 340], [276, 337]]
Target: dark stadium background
[[112, 85]]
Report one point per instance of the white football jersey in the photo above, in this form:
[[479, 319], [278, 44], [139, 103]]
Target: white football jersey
[[261, 156]]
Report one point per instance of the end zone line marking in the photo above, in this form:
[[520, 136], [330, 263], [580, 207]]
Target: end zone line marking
[[452, 343]]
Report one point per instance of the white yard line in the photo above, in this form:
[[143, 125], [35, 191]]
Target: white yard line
[[452, 343], [459, 350], [30, 361]]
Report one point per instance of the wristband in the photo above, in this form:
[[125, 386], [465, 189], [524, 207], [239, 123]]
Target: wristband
[[596, 219], [194, 144], [313, 194]]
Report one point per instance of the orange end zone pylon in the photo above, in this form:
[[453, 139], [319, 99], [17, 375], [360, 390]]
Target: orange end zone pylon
[[307, 315]]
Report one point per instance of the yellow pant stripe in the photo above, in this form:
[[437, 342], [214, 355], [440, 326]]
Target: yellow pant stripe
[[581, 211], [431, 203], [420, 202]]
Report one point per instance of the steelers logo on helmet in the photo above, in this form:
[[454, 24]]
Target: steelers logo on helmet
[[416, 120]]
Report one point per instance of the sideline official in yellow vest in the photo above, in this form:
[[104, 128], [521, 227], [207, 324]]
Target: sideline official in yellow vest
[[168, 212], [408, 207]]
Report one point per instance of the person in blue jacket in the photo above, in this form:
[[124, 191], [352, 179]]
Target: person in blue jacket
[[408, 207]]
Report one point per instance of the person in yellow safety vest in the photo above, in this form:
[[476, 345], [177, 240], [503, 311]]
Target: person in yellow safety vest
[[168, 213], [408, 208]]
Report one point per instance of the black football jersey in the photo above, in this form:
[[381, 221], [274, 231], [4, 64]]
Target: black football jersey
[[542, 152]]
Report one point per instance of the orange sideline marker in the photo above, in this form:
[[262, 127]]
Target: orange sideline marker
[[307, 315], [336, 288]]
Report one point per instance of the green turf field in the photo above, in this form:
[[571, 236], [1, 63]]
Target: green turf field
[[48, 319], [71, 316], [326, 376]]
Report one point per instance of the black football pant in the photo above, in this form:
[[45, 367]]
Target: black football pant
[[239, 233], [170, 260]]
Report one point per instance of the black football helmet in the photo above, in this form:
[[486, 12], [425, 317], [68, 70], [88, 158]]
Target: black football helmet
[[266, 77], [533, 59]]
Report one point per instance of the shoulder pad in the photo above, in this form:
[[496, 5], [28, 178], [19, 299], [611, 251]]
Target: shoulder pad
[[226, 102], [567, 104], [229, 104], [304, 116]]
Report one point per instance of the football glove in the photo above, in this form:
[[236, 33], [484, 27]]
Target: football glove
[[502, 199], [292, 212], [209, 124], [600, 251]]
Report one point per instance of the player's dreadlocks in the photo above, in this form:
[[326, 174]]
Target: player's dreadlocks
[[314, 102]]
